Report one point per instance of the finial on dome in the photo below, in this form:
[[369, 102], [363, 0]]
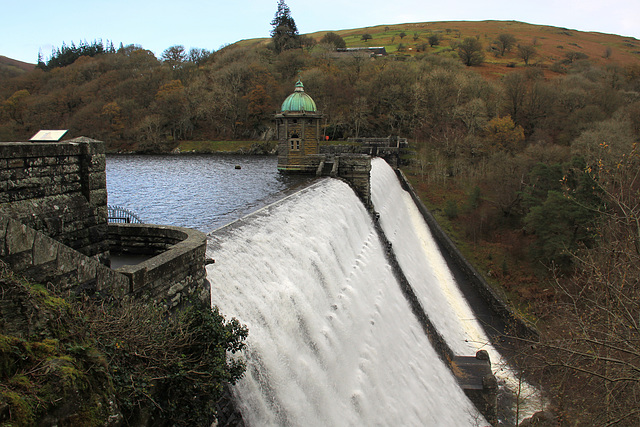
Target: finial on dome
[[299, 101]]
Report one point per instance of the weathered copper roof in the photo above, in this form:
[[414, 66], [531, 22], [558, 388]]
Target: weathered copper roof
[[299, 101]]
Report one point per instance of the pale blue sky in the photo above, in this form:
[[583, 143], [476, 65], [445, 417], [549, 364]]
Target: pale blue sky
[[32, 25]]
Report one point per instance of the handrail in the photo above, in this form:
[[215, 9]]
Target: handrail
[[118, 214]]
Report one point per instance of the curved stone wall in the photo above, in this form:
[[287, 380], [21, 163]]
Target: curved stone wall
[[53, 228], [176, 269]]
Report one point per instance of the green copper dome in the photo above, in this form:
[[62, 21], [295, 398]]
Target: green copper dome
[[299, 101]]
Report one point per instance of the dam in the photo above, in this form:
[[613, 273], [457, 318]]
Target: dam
[[335, 339], [332, 339]]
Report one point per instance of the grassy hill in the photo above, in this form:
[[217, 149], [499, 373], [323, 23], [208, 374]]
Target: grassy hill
[[11, 67], [553, 44]]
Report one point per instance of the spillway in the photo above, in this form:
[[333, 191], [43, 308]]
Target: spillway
[[433, 283], [332, 341]]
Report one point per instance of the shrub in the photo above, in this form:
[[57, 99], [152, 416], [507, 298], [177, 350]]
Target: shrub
[[451, 209], [96, 360]]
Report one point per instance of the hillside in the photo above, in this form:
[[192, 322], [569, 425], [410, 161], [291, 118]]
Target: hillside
[[553, 45], [12, 68]]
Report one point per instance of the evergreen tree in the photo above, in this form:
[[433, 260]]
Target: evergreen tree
[[284, 33]]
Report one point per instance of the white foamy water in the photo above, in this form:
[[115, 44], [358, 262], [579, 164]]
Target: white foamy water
[[332, 341], [427, 271]]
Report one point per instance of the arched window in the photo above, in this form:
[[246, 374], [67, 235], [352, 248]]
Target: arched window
[[294, 142]]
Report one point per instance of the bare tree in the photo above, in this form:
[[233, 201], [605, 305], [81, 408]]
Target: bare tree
[[591, 351], [174, 56], [526, 52], [505, 42]]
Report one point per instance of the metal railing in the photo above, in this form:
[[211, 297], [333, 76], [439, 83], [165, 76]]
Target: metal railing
[[117, 214]]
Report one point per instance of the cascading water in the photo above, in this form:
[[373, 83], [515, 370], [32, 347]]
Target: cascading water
[[332, 341], [428, 273]]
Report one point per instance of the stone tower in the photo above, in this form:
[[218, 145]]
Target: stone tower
[[299, 132]]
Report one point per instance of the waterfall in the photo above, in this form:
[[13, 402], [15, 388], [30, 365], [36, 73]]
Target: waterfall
[[427, 271], [332, 341]]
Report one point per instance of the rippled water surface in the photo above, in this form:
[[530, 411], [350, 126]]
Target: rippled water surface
[[197, 191]]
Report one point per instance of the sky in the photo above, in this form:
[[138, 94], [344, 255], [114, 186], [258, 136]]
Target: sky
[[31, 26]]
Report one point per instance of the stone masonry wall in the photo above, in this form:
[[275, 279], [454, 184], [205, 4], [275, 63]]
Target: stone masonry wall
[[355, 169], [175, 273], [169, 277], [59, 189], [53, 228], [38, 257]]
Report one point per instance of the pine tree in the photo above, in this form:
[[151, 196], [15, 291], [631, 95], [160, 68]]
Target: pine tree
[[284, 33]]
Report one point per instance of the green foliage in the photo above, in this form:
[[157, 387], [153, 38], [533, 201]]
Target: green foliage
[[564, 211], [67, 55], [195, 380], [470, 51], [543, 178], [174, 372], [41, 372], [451, 209], [167, 369], [473, 199], [334, 39]]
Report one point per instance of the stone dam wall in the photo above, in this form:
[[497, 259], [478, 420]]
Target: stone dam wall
[[53, 228], [59, 189], [473, 373]]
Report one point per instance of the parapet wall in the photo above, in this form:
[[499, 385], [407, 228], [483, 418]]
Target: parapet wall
[[58, 188], [53, 228], [175, 272], [38, 257]]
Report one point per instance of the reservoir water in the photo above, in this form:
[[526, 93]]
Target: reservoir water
[[196, 191]]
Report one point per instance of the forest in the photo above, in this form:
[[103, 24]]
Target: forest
[[530, 162]]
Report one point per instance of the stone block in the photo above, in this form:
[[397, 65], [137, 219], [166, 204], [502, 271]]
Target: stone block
[[45, 250], [98, 197], [86, 269], [3, 235], [19, 237], [97, 180], [15, 163], [66, 261]]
